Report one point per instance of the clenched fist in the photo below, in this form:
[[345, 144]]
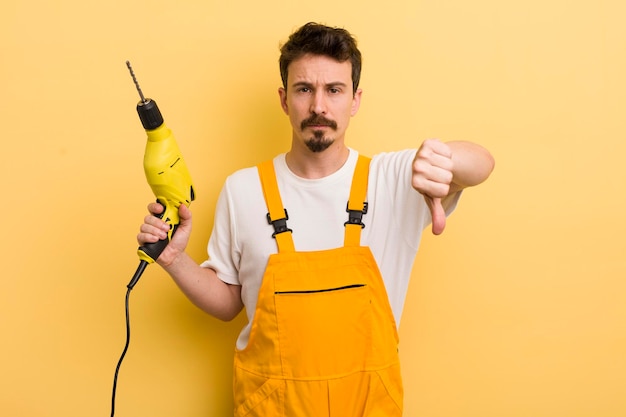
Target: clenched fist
[[432, 177]]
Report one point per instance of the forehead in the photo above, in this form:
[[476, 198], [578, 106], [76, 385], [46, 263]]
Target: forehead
[[319, 69]]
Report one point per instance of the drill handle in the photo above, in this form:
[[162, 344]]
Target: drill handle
[[150, 252]]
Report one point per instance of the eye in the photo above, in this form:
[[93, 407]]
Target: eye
[[334, 90], [304, 90]]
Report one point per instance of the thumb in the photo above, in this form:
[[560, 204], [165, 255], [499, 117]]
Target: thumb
[[181, 237], [437, 213], [184, 215]]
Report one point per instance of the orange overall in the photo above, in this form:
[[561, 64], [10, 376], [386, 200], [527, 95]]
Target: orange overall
[[323, 340]]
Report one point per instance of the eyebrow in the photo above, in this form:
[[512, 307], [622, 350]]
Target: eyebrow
[[310, 85]]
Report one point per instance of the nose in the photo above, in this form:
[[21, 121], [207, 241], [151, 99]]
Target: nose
[[318, 103]]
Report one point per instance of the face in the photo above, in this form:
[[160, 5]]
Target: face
[[319, 101]]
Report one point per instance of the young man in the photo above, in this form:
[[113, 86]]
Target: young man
[[318, 245]]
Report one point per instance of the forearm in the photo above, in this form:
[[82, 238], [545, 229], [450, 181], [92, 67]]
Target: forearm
[[472, 164], [204, 288]]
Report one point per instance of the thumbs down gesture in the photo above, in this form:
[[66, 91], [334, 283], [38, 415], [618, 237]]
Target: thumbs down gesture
[[433, 173], [442, 169]]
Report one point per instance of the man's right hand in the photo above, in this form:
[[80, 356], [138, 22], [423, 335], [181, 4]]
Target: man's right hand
[[154, 229]]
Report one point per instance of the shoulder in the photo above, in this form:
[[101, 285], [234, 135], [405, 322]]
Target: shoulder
[[250, 175], [243, 180], [392, 165], [397, 158], [243, 175], [238, 186]]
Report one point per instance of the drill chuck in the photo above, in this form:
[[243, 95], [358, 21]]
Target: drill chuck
[[149, 114]]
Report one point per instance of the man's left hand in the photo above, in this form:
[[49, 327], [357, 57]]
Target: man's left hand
[[432, 177]]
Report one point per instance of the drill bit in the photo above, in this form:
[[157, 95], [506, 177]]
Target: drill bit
[[132, 74]]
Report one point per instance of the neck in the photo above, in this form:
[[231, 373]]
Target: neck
[[315, 165]]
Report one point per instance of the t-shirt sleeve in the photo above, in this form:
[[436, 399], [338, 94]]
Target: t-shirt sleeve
[[222, 255], [407, 208]]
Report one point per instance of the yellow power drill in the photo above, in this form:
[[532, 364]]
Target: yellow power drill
[[169, 178], [166, 172]]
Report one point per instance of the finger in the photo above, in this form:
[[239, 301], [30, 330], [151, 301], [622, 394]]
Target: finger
[[143, 238], [428, 159], [156, 222], [432, 174], [156, 231], [437, 147], [437, 182], [155, 208], [438, 215], [437, 188]]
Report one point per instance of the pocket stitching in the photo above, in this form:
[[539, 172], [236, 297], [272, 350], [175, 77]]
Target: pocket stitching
[[258, 397]]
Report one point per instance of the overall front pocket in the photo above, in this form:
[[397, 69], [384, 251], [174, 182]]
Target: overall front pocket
[[323, 332]]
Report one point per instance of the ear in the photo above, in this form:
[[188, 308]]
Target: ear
[[282, 93], [356, 102]]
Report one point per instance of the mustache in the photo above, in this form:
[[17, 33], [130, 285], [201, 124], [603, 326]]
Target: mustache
[[318, 120]]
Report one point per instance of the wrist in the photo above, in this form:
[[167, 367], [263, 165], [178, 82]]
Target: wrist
[[170, 258]]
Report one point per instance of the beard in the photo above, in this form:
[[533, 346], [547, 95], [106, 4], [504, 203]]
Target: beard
[[318, 142]]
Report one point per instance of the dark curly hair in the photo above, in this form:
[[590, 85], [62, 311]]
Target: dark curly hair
[[317, 39]]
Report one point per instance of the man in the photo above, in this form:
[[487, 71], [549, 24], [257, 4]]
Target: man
[[318, 245]]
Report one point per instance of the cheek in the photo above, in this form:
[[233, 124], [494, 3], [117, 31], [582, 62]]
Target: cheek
[[349, 113], [295, 119], [294, 107]]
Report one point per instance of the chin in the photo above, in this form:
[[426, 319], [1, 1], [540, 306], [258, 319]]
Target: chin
[[316, 145]]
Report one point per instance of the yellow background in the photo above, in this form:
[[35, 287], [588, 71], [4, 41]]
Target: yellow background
[[517, 310]]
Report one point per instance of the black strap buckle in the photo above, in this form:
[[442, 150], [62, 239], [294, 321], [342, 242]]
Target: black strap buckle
[[280, 225], [356, 216]]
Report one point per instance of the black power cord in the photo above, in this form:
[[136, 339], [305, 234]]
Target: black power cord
[[133, 281]]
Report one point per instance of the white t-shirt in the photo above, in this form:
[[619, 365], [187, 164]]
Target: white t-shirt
[[241, 241]]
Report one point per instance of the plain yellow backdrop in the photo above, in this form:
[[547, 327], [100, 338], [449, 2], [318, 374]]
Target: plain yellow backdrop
[[517, 310]]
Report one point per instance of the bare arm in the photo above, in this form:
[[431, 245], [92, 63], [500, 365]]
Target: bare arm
[[472, 164], [200, 285], [442, 169]]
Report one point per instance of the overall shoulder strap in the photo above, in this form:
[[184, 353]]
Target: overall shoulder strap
[[277, 215], [357, 206]]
